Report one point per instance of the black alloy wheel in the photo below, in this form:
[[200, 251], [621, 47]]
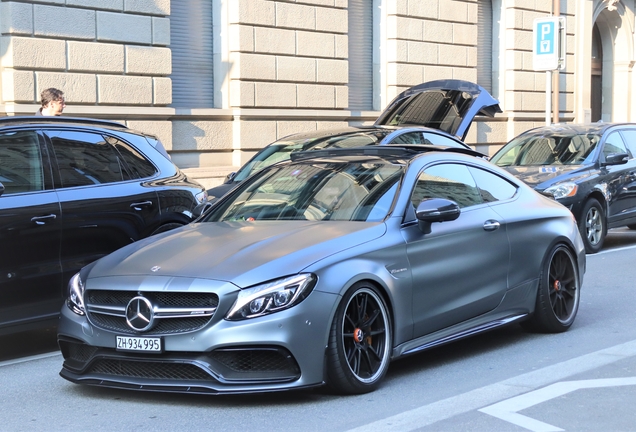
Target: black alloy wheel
[[359, 348], [559, 293], [593, 226]]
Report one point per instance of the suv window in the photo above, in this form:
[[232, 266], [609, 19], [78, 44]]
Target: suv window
[[20, 162], [135, 161], [614, 144], [85, 158]]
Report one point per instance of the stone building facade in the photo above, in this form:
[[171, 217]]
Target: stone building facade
[[216, 80]]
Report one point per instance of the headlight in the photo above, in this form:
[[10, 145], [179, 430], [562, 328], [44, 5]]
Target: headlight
[[271, 297], [562, 190], [75, 300]]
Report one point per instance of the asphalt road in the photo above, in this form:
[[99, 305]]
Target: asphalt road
[[505, 380]]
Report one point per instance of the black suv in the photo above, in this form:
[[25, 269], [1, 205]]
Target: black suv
[[71, 191], [590, 168]]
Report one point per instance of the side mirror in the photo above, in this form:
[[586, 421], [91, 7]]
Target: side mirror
[[229, 177], [616, 159], [436, 210]]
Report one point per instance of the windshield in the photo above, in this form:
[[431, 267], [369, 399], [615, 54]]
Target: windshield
[[340, 191], [530, 149], [281, 150]]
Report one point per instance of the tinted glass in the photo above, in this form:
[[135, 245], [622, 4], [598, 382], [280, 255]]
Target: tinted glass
[[20, 162], [614, 144], [86, 159], [491, 186], [139, 166], [435, 139], [281, 150], [320, 191], [552, 149], [409, 138], [630, 140], [449, 181]]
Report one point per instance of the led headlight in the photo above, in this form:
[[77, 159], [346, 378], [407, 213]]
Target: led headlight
[[272, 296], [562, 190], [75, 300]]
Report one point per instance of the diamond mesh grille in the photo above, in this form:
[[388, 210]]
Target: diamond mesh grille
[[151, 370]]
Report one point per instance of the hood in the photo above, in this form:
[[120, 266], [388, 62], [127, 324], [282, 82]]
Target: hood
[[536, 175], [244, 253], [447, 105]]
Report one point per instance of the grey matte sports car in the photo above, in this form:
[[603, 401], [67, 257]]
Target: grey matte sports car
[[321, 270]]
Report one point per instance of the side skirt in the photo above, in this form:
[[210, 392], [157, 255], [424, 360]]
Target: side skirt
[[446, 336]]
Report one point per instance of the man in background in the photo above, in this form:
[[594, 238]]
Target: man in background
[[52, 101]]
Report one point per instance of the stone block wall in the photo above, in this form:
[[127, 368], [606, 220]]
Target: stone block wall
[[99, 52], [288, 55]]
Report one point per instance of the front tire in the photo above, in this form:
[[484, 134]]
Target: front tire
[[559, 293], [359, 349], [593, 226]]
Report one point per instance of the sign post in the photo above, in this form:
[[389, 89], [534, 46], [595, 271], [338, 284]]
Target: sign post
[[548, 49]]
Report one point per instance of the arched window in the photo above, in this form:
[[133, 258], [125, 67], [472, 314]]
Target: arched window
[[191, 46]]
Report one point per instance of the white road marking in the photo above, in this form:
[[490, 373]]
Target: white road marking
[[508, 410], [493, 393], [31, 358]]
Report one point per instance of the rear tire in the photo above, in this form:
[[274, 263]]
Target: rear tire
[[593, 226], [359, 349], [558, 295]]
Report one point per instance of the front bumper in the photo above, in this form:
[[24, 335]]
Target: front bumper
[[281, 351]]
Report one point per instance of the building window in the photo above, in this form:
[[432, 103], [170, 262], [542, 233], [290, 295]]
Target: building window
[[485, 48], [191, 46], [360, 54]]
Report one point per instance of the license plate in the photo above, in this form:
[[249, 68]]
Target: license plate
[[127, 343]]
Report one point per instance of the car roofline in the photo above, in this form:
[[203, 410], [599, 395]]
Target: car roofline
[[20, 120], [384, 151]]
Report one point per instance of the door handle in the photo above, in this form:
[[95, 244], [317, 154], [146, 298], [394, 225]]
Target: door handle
[[139, 206], [491, 225], [41, 220]]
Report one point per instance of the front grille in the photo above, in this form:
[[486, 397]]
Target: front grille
[[227, 365], [174, 312], [150, 370]]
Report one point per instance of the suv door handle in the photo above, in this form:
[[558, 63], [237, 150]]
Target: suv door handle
[[41, 220], [491, 225], [138, 206]]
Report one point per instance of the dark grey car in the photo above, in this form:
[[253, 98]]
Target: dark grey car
[[322, 269]]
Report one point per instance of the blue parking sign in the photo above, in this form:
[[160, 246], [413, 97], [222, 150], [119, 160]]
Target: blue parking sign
[[547, 40]]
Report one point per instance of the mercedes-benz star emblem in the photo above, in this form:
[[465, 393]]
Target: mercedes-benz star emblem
[[139, 314]]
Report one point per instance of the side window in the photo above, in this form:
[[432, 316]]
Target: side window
[[491, 186], [614, 144], [136, 162], [630, 140], [435, 139], [450, 181], [20, 162], [85, 158], [409, 138]]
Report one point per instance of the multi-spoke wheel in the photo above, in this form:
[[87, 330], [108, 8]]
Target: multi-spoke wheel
[[593, 226], [359, 348], [558, 294]]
